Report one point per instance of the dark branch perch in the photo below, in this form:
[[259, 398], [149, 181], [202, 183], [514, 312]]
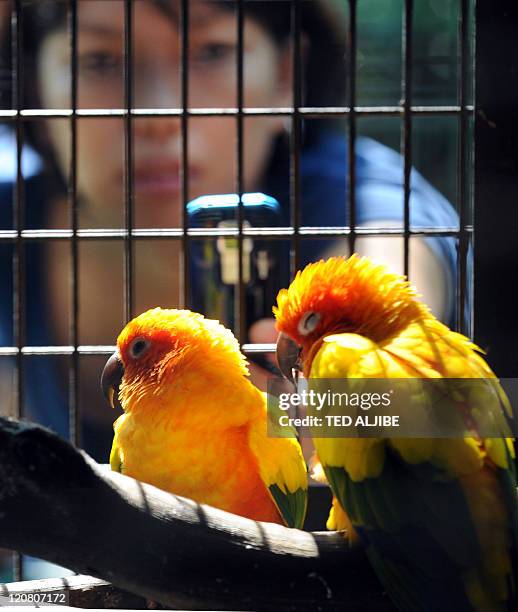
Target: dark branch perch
[[58, 504]]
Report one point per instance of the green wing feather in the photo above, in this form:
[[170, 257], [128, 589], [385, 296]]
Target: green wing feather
[[282, 469], [292, 506]]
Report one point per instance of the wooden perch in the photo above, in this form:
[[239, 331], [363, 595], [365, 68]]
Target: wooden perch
[[58, 504]]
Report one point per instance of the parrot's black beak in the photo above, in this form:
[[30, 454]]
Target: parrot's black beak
[[111, 379], [288, 356]]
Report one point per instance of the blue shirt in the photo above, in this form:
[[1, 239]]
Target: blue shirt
[[379, 197]]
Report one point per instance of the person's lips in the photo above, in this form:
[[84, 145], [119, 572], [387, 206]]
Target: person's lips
[[159, 178]]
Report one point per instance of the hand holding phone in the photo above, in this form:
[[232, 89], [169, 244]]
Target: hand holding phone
[[214, 262]]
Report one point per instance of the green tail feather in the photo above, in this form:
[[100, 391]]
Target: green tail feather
[[292, 506]]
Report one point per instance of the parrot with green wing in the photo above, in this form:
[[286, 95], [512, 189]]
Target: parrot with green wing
[[194, 424], [438, 516]]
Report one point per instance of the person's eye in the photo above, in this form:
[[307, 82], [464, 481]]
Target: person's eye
[[100, 63], [211, 53]]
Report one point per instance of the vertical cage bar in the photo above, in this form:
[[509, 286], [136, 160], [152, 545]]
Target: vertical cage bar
[[73, 374], [184, 42], [128, 147], [241, 309], [18, 219], [295, 140], [462, 171], [406, 136], [351, 144]]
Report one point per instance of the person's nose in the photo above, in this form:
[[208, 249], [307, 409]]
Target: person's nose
[[157, 90], [157, 128], [157, 87]]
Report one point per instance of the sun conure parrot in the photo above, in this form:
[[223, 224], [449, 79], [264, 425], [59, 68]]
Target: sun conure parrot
[[438, 516], [194, 425]]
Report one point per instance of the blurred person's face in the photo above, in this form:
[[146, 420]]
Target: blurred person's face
[[157, 84]]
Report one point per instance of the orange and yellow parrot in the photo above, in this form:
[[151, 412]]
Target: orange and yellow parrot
[[438, 516], [194, 425]]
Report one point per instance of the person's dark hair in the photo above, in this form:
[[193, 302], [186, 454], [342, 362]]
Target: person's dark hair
[[323, 41]]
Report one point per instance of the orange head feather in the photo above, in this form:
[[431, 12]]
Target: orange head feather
[[346, 295], [171, 350]]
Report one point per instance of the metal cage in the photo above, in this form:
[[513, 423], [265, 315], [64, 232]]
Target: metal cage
[[296, 114]]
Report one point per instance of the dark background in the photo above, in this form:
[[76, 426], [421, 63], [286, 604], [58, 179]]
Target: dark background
[[496, 184]]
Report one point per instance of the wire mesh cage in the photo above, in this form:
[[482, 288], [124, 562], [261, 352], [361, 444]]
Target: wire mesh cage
[[400, 74]]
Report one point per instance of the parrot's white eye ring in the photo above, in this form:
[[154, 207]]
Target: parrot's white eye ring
[[138, 347], [308, 323]]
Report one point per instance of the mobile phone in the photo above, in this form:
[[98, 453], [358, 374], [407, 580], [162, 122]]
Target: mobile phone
[[214, 263]]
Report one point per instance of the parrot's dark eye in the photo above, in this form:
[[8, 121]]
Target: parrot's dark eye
[[138, 347], [308, 323]]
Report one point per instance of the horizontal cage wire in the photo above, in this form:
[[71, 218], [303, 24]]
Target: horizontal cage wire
[[130, 235], [306, 112]]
